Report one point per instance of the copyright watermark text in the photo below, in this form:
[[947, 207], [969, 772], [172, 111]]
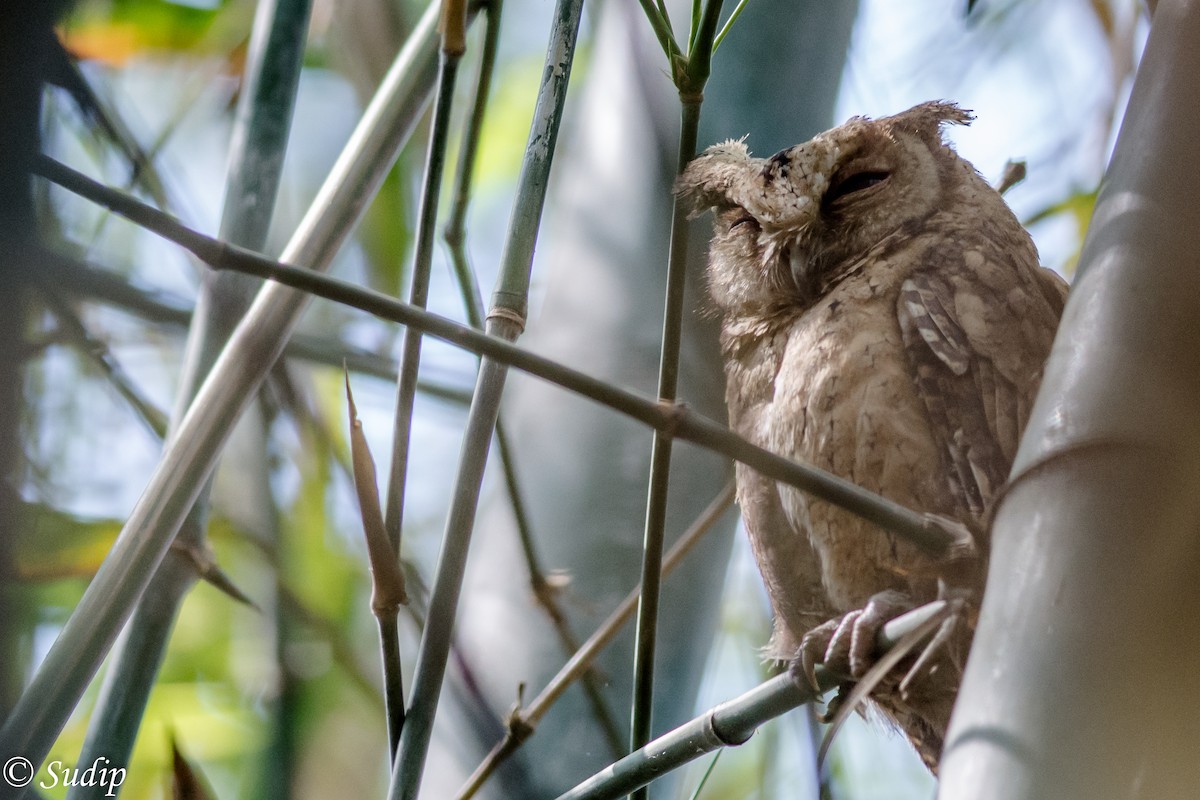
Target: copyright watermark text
[[19, 772]]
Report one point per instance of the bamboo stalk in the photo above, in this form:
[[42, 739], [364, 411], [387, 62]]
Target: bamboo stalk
[[732, 723], [190, 455], [691, 95], [98, 352], [543, 592], [255, 166], [505, 322], [660, 454], [452, 25], [1092, 575]]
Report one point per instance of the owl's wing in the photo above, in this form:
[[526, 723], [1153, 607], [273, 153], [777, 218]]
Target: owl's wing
[[789, 566], [977, 337]]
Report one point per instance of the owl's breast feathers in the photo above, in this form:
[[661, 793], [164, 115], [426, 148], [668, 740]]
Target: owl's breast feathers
[[912, 377]]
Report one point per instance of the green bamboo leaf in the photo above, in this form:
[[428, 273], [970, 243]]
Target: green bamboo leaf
[[55, 544], [707, 774], [385, 234], [1078, 206], [121, 30]]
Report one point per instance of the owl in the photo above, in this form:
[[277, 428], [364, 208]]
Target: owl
[[883, 317]]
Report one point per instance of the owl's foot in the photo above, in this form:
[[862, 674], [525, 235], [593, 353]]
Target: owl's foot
[[953, 619], [846, 645], [937, 625]]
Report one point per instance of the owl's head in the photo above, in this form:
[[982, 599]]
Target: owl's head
[[784, 224]]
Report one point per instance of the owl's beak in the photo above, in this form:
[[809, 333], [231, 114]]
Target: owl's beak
[[798, 265]]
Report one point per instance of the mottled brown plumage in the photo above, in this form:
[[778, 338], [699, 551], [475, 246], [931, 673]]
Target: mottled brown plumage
[[884, 317]]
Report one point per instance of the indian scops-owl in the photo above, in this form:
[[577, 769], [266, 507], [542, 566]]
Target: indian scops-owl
[[884, 317]]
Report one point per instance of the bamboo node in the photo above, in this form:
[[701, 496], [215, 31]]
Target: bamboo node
[[500, 312], [674, 415]]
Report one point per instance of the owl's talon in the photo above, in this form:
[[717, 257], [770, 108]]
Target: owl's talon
[[808, 666], [845, 645], [812, 651], [954, 615], [834, 706]]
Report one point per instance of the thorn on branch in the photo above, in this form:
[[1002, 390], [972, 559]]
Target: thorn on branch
[[207, 570]]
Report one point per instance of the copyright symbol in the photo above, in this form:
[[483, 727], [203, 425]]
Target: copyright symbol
[[18, 771]]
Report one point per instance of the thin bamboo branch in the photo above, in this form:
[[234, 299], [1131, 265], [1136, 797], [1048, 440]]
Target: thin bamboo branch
[[191, 454], [932, 534], [70, 77], [453, 29], [281, 750], [695, 24], [660, 455], [664, 14], [99, 354], [96, 285], [662, 30], [505, 321], [699, 63], [544, 593], [733, 722], [336, 354], [343, 650], [410, 354], [523, 722], [455, 233], [691, 94], [737, 12]]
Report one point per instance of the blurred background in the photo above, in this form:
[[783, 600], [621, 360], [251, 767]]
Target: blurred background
[[283, 699]]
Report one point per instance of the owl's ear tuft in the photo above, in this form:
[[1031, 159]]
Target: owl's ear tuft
[[927, 119], [711, 179]]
